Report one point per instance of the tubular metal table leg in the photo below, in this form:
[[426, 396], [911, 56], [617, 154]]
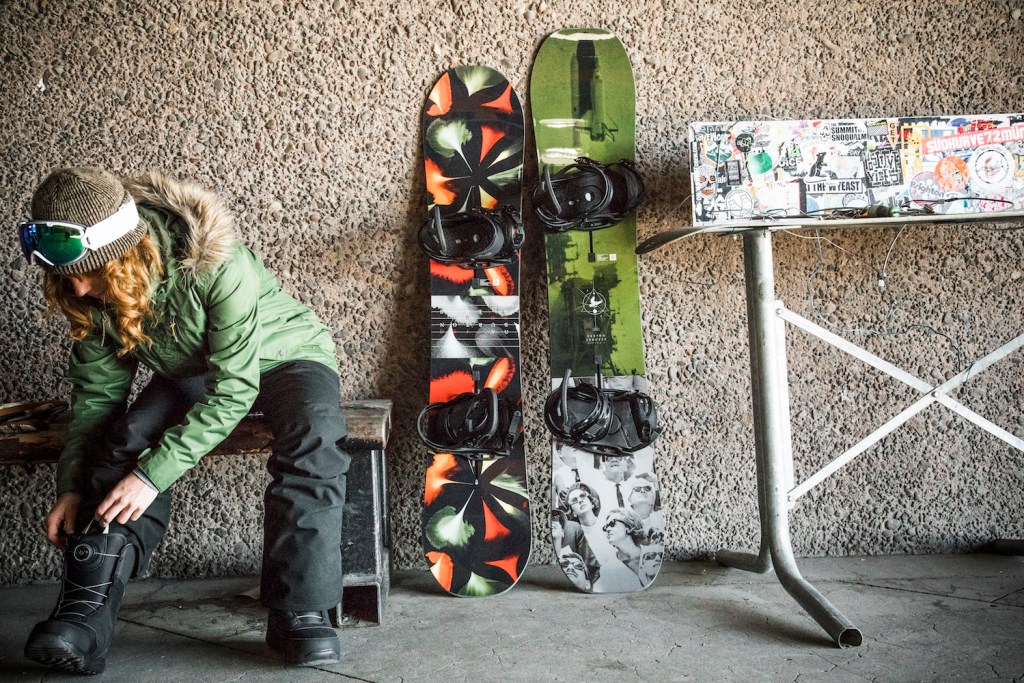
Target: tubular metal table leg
[[761, 562], [767, 381]]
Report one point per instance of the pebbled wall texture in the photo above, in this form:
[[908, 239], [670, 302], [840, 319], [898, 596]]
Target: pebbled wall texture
[[306, 116]]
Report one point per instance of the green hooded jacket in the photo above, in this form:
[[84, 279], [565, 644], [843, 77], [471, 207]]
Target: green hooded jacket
[[219, 313]]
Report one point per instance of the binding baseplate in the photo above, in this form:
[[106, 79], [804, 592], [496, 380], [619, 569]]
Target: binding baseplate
[[479, 238], [474, 425], [587, 195], [611, 422]]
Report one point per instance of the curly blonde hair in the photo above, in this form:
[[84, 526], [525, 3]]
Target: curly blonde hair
[[127, 285]]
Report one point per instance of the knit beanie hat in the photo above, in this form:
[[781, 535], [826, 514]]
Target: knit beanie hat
[[85, 196]]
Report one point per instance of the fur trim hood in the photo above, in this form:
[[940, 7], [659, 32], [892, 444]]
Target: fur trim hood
[[211, 226]]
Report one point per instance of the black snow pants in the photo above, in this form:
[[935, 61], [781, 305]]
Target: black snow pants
[[303, 503]]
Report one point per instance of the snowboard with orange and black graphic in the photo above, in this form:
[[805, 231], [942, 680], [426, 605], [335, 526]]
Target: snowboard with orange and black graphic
[[476, 515]]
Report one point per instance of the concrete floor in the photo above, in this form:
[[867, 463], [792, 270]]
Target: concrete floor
[[923, 618]]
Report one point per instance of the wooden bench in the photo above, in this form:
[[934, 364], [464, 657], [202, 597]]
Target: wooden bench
[[33, 434]]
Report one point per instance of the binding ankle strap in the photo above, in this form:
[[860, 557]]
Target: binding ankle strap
[[575, 426]]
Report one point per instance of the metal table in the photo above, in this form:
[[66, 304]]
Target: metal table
[[766, 318]]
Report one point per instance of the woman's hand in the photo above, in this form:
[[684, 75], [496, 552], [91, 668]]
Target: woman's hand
[[128, 500], [62, 519]]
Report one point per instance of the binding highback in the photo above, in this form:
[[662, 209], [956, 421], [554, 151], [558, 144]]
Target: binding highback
[[479, 238]]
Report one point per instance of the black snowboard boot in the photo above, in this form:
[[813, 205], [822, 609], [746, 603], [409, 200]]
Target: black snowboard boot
[[303, 638], [77, 635]]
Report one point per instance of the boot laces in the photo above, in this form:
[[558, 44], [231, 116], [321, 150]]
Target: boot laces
[[308, 620], [87, 598]]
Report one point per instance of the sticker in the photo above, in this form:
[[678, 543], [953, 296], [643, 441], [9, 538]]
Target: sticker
[[991, 169], [744, 142], [951, 173], [733, 173], [924, 189], [704, 180], [739, 204], [759, 163]]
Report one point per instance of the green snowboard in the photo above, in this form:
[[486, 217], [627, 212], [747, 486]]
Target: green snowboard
[[583, 104]]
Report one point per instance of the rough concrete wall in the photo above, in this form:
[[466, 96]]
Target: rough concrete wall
[[306, 115]]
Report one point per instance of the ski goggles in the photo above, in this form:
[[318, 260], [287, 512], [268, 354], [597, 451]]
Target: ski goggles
[[58, 243]]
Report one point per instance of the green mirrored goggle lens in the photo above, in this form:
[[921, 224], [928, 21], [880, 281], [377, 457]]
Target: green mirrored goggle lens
[[59, 244]]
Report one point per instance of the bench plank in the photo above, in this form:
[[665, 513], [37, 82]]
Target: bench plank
[[369, 426]]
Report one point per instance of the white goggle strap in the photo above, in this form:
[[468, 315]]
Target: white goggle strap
[[122, 222]]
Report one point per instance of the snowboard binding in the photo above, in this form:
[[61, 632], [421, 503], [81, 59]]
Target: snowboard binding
[[480, 238], [587, 195], [611, 422], [473, 425]]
